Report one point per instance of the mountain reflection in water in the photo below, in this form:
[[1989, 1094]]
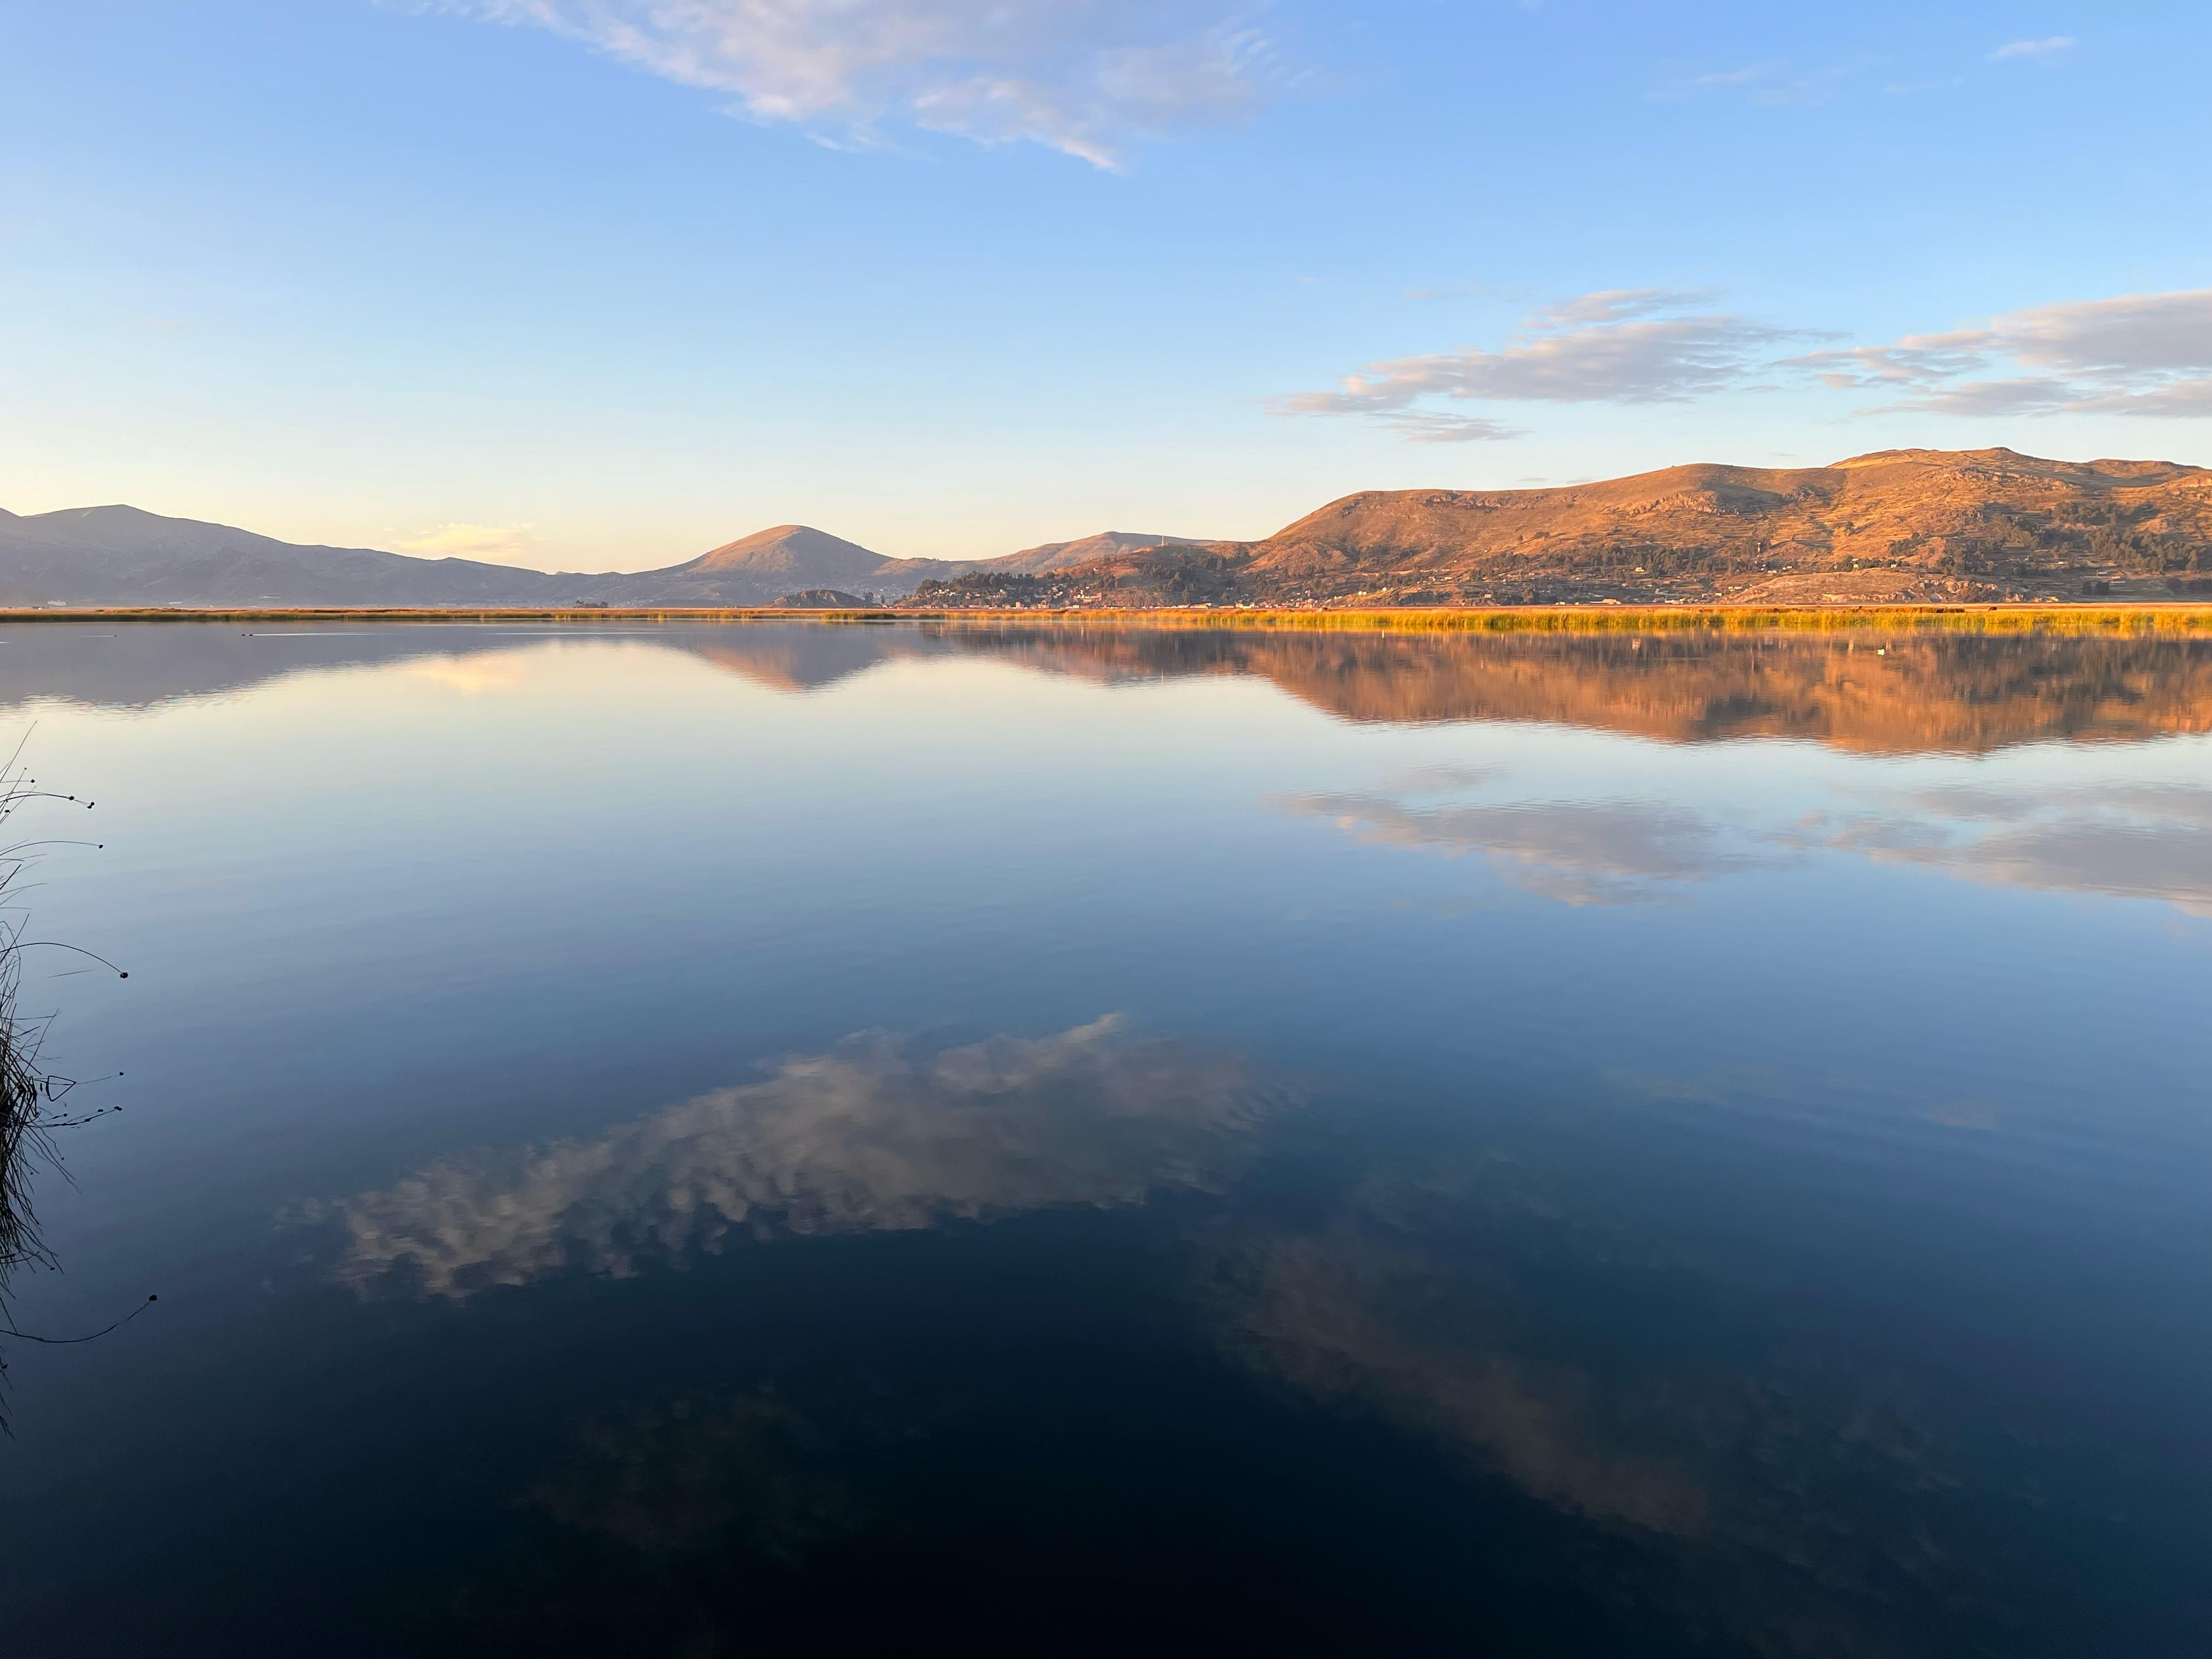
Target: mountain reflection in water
[[1887, 692]]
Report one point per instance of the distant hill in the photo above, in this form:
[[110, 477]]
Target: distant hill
[[789, 552], [1066, 555], [1899, 525], [757, 570], [122, 556], [823, 598], [1928, 517]]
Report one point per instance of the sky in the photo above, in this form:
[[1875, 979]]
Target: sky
[[599, 284]]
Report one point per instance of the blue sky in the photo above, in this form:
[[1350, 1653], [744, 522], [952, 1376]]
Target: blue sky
[[601, 283]]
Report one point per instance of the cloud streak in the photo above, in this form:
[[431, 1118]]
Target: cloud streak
[[1622, 346], [1771, 83], [1430, 427], [2138, 354], [1086, 77], [2046, 50], [2132, 353]]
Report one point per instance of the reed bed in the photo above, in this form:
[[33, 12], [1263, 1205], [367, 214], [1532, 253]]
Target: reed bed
[[2102, 620], [24, 1129], [30, 1090], [2116, 620]]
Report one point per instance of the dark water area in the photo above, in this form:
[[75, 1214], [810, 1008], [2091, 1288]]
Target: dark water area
[[800, 1138]]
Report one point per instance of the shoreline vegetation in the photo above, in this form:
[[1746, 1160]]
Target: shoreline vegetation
[[2181, 616], [30, 1090]]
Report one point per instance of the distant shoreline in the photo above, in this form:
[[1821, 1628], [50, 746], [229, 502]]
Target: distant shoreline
[[2178, 616]]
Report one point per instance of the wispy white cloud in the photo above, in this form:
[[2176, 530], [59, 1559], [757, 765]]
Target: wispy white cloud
[[495, 544], [2048, 50], [1434, 427], [1083, 76], [2137, 354], [1915, 88], [1619, 304], [1622, 345], [1452, 291], [1737, 78], [2140, 354], [1771, 82]]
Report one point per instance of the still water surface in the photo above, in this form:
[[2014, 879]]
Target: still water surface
[[798, 1138]]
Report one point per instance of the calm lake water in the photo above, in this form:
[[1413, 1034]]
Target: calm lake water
[[793, 1138]]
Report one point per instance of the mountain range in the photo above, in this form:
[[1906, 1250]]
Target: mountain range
[[112, 555], [1896, 526], [122, 556]]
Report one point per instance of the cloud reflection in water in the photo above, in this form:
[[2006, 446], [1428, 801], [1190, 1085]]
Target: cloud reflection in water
[[1587, 851], [872, 1136], [2137, 841], [2128, 840], [1766, 1498]]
